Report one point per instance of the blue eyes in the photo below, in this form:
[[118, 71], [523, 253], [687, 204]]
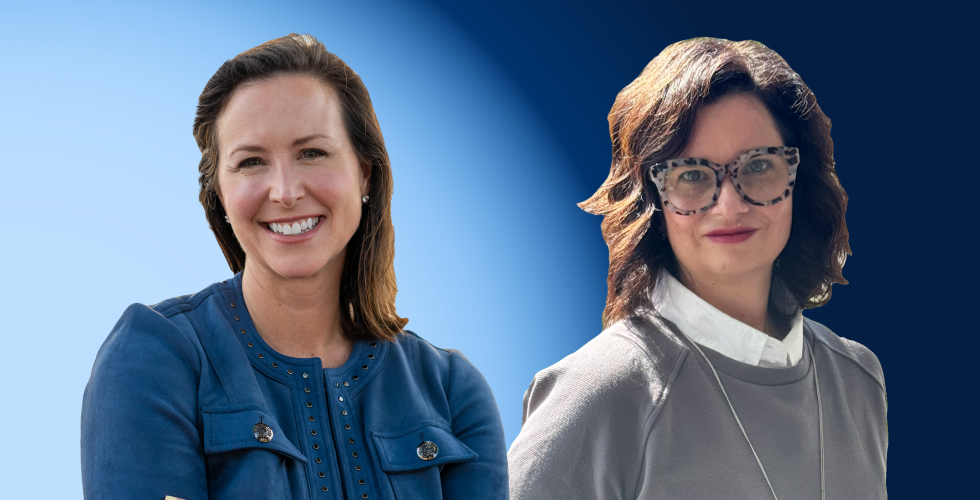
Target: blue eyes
[[306, 154], [758, 166], [312, 153], [693, 176]]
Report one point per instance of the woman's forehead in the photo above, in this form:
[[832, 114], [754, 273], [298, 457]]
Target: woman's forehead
[[280, 109], [725, 129]]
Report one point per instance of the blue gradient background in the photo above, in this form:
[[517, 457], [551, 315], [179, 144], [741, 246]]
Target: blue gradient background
[[494, 117]]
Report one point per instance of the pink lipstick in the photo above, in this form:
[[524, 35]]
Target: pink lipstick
[[731, 235]]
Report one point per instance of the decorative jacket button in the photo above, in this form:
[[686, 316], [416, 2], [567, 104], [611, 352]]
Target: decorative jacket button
[[262, 432], [427, 450]]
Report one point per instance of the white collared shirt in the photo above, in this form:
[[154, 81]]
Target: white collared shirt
[[706, 325]]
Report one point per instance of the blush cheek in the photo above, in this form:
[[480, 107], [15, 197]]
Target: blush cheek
[[243, 198], [340, 194]]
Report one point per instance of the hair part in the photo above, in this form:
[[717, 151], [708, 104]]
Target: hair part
[[652, 120], [367, 285]]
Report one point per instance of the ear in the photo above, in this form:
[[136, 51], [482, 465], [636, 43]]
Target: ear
[[366, 168]]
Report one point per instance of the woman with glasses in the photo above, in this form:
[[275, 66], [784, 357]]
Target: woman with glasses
[[724, 219], [294, 378]]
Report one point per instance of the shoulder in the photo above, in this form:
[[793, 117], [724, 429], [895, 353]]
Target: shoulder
[[431, 353], [629, 366], [601, 401], [638, 354], [144, 332], [436, 365], [849, 350], [155, 333], [187, 303]]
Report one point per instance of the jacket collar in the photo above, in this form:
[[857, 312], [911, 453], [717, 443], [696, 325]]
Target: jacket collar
[[365, 358]]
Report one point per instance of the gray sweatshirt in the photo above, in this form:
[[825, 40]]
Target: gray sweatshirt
[[637, 414]]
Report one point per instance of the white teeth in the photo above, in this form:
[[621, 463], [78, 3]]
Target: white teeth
[[294, 228]]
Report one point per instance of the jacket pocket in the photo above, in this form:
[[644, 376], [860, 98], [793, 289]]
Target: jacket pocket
[[413, 460], [240, 465]]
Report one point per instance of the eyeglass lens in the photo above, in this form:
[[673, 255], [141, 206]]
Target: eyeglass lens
[[762, 178]]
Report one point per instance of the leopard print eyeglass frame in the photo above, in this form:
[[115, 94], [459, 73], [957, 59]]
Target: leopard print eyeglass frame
[[762, 176]]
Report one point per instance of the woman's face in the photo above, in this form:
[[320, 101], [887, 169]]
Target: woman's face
[[733, 239], [288, 176]]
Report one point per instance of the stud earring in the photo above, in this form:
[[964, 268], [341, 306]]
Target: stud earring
[[227, 220], [365, 198]]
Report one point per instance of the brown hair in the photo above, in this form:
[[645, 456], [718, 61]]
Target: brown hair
[[367, 287], [651, 122]]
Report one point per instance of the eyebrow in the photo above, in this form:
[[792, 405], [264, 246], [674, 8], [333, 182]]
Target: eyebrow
[[740, 153], [297, 142]]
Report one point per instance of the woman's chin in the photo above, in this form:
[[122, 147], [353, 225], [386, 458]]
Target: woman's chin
[[730, 265], [296, 266], [297, 270], [734, 268]]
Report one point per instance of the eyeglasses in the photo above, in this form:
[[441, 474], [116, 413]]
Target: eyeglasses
[[762, 176]]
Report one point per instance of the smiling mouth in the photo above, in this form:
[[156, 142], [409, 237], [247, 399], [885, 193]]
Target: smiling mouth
[[298, 227]]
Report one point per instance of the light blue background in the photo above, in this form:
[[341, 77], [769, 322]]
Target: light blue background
[[100, 191]]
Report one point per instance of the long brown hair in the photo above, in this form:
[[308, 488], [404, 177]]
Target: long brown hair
[[367, 287], [651, 122]]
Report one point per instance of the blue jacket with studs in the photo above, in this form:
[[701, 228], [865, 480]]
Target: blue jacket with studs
[[186, 400]]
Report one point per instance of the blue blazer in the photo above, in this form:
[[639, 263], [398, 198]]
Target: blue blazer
[[185, 399]]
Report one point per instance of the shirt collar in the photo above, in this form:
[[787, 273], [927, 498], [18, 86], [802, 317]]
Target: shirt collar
[[706, 325]]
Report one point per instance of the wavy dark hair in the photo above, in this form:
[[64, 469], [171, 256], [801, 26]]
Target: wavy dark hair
[[367, 287], [651, 122]]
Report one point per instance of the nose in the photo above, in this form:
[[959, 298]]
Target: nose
[[286, 187], [729, 201]]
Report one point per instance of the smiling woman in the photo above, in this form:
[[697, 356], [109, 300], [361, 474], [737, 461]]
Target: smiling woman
[[295, 378], [289, 161], [292, 187]]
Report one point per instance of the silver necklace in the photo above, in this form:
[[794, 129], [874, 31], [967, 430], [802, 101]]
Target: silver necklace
[[816, 383]]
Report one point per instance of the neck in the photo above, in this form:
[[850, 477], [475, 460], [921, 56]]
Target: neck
[[298, 317], [745, 298]]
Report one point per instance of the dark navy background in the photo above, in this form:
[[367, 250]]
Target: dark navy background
[[895, 81]]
